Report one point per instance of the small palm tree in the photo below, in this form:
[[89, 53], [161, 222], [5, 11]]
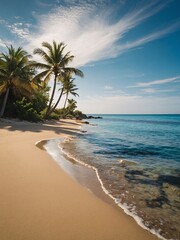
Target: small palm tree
[[72, 105], [15, 75], [56, 63], [69, 87]]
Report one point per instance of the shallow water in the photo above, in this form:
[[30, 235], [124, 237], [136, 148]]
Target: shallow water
[[138, 160]]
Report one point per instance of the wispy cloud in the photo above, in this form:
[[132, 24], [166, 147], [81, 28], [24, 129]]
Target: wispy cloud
[[108, 87], [2, 21], [149, 90], [20, 29], [2, 43], [157, 82], [5, 42], [88, 31], [148, 38], [111, 91], [153, 90], [44, 4]]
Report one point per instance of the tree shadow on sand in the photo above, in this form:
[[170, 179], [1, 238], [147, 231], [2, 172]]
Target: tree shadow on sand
[[58, 127]]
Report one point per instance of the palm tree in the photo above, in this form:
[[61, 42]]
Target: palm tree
[[55, 63], [59, 98], [15, 75], [69, 87], [72, 105]]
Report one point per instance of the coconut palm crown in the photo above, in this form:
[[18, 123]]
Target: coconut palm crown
[[15, 75]]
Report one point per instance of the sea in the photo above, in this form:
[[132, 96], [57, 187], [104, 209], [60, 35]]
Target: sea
[[137, 162]]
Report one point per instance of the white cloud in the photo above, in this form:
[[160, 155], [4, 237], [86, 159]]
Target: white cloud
[[43, 4], [149, 90], [108, 87], [109, 90], [5, 42], [2, 43], [2, 21], [20, 29], [153, 90], [17, 17], [157, 82], [88, 31]]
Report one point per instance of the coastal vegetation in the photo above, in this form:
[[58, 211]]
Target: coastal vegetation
[[24, 90]]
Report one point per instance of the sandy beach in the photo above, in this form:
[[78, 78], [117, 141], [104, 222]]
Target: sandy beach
[[40, 201]]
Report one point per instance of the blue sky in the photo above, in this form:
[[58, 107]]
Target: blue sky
[[128, 50]]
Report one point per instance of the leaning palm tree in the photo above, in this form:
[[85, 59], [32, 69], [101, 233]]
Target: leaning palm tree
[[15, 75], [55, 64], [69, 87]]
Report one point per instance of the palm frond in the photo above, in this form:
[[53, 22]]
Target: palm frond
[[66, 59], [43, 54], [41, 75], [47, 78], [3, 88], [41, 66], [29, 87], [74, 70], [47, 45], [58, 51], [51, 51]]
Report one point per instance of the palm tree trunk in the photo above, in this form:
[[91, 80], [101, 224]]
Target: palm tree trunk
[[4, 103], [57, 102], [51, 99], [66, 100]]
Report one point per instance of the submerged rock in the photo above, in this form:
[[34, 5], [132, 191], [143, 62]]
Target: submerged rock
[[125, 163], [94, 117], [85, 122]]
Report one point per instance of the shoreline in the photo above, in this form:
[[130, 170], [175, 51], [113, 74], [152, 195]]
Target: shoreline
[[112, 200], [40, 201], [83, 173]]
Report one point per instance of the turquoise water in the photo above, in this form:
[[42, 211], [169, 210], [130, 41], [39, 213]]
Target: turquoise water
[[138, 160]]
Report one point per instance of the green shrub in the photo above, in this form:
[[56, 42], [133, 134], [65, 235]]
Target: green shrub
[[25, 110], [79, 115], [43, 113], [61, 112], [40, 100], [54, 115]]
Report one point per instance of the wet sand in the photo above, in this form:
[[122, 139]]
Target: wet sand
[[38, 200]]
